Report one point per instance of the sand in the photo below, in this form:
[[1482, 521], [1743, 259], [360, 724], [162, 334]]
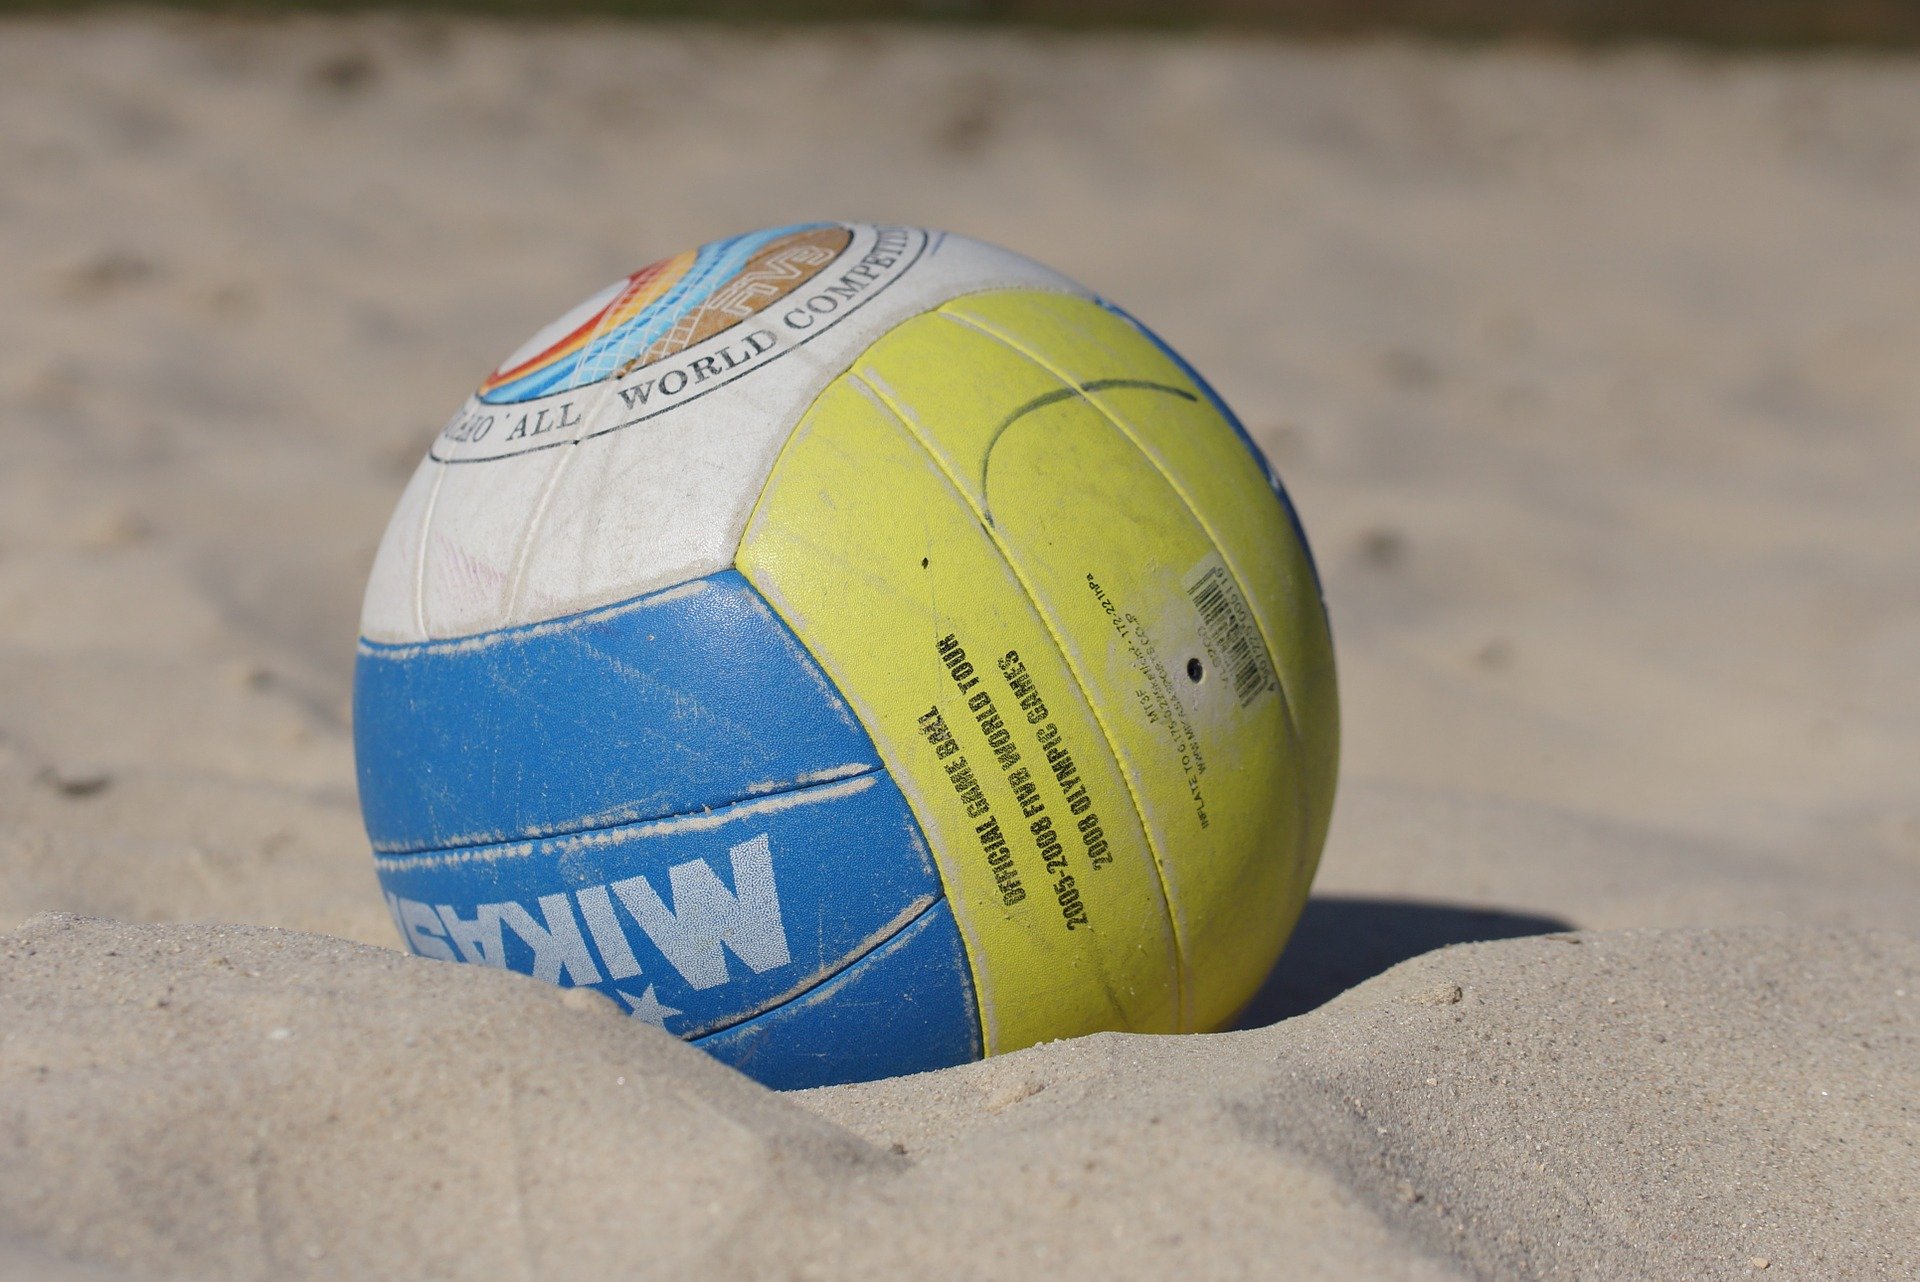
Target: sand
[[1592, 377]]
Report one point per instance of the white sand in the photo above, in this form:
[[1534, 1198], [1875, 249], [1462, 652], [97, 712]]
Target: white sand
[[1594, 380]]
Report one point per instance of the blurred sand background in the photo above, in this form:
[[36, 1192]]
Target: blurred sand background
[[1595, 378]]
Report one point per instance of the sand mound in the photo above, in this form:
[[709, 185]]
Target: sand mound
[[238, 1102], [1631, 1104]]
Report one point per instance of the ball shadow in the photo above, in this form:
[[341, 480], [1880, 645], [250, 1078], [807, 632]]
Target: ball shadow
[[1341, 942]]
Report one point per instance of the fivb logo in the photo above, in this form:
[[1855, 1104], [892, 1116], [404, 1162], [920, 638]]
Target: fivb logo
[[704, 922]]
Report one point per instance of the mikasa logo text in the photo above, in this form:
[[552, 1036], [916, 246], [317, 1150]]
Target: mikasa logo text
[[694, 928]]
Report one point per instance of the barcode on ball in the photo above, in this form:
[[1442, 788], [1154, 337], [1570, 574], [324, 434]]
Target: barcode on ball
[[1232, 638]]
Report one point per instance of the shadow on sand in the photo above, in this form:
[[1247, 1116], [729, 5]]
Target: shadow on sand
[[1341, 942]]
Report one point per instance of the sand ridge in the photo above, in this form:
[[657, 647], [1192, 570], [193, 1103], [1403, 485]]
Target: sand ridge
[[1631, 1103]]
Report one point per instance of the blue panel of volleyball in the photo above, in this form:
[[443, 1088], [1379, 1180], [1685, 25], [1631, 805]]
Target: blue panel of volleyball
[[667, 801]]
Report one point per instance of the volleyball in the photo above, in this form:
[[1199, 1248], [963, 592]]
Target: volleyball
[[856, 650]]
